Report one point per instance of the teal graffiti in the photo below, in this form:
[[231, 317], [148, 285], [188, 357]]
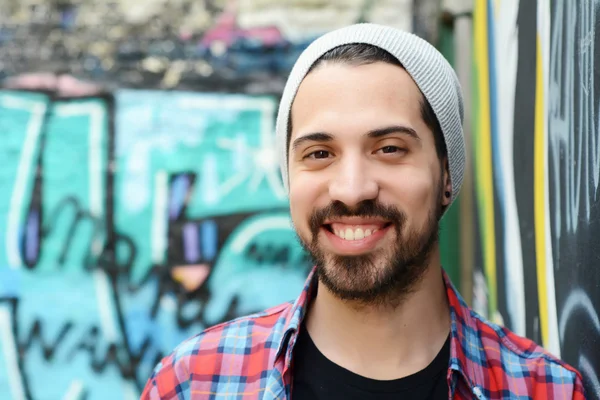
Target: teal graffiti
[[112, 206]]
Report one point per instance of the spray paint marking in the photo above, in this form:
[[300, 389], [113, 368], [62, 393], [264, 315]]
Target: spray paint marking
[[484, 156], [26, 161], [505, 69], [9, 348]]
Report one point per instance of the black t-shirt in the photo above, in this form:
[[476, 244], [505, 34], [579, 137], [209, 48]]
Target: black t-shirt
[[318, 378]]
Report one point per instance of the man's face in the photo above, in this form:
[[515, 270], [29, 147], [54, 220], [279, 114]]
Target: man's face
[[366, 184]]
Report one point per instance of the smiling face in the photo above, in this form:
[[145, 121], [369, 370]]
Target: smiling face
[[366, 183]]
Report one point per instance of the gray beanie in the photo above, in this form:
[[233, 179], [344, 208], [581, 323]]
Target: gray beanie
[[429, 69]]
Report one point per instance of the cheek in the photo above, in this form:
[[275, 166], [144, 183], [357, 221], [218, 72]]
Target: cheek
[[415, 191], [301, 201]]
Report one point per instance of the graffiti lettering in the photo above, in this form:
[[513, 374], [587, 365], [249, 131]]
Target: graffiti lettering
[[272, 254], [112, 281], [556, 126], [573, 134], [90, 343], [36, 335], [80, 217]]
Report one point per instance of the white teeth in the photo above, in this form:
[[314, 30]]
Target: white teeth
[[357, 234], [349, 234]]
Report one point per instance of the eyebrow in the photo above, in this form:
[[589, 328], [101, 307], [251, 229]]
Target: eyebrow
[[377, 133], [321, 137], [324, 137]]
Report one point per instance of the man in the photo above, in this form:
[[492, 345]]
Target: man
[[370, 133]]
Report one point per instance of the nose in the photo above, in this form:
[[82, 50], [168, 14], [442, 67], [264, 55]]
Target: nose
[[353, 183]]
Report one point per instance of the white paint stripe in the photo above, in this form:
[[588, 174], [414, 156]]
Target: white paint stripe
[[587, 369], [10, 355], [158, 235], [105, 304], [97, 169], [267, 124], [75, 391], [96, 151], [267, 138], [26, 162], [234, 181], [543, 24], [253, 229], [506, 70], [553, 339], [578, 299], [19, 103], [274, 180]]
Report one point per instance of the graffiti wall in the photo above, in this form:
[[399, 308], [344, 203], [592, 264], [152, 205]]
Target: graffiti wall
[[129, 223], [132, 220], [537, 168]]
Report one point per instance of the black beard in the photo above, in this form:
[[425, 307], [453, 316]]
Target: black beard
[[360, 279]]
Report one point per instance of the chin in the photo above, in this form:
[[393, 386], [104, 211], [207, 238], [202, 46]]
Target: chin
[[362, 273], [371, 279]]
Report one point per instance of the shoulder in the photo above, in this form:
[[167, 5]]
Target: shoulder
[[219, 352], [521, 365]]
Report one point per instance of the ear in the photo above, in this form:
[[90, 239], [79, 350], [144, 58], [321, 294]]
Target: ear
[[446, 183]]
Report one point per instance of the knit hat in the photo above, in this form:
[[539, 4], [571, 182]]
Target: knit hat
[[428, 68]]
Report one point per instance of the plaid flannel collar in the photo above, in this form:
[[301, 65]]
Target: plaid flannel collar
[[463, 335]]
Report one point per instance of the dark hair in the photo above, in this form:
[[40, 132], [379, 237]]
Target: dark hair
[[361, 54]]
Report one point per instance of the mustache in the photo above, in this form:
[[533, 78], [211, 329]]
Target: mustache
[[365, 209]]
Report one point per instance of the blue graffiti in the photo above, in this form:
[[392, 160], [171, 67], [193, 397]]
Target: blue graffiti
[[123, 240]]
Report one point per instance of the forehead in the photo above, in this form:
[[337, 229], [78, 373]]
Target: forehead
[[345, 97]]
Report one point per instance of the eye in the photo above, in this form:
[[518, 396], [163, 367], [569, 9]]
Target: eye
[[319, 154], [391, 149]]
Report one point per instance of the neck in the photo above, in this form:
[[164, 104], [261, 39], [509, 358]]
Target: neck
[[383, 343]]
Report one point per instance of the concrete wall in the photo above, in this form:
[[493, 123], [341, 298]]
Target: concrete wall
[[210, 45], [536, 162]]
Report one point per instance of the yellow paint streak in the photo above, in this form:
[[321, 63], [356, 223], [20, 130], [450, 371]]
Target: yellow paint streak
[[483, 152], [539, 191]]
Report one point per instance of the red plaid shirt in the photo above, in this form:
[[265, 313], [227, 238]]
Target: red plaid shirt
[[250, 358]]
